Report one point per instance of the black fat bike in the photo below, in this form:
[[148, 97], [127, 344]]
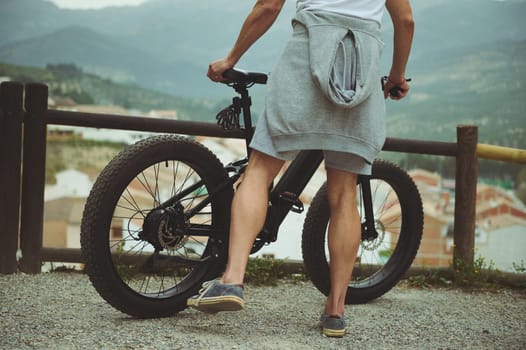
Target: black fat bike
[[156, 222]]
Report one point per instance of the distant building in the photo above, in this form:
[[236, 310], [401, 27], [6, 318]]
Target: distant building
[[70, 183], [500, 223], [118, 110], [60, 102], [62, 218], [435, 247], [163, 113], [56, 134], [501, 227], [64, 203]]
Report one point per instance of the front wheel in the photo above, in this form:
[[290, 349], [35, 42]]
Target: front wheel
[[155, 225], [382, 258]]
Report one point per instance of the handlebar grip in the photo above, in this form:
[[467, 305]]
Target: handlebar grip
[[395, 90]]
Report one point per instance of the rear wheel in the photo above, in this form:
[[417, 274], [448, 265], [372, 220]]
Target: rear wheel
[[155, 225], [384, 256]]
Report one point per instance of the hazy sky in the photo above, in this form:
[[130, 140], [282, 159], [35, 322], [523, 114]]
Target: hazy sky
[[94, 4]]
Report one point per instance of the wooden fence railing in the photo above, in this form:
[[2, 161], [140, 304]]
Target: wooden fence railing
[[23, 133]]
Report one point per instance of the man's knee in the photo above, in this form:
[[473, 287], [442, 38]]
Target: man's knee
[[341, 188], [262, 167]]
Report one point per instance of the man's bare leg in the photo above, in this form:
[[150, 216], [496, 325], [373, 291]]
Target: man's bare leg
[[249, 209], [344, 236]]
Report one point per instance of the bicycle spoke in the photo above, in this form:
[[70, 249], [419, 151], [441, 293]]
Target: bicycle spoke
[[374, 253]]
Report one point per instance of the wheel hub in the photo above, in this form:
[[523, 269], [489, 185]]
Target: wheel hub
[[165, 228]]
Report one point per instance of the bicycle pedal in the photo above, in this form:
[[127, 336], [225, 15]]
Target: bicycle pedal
[[297, 205]]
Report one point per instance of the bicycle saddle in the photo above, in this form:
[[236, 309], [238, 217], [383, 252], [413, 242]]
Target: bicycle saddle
[[240, 76]]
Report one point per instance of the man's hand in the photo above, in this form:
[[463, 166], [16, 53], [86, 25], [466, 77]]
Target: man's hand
[[217, 68], [395, 90]]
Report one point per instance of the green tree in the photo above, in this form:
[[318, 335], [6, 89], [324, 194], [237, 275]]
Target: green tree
[[65, 71]]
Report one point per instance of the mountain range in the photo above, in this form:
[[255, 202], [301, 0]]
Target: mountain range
[[468, 62]]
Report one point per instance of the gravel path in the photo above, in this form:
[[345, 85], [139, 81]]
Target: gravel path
[[63, 311]]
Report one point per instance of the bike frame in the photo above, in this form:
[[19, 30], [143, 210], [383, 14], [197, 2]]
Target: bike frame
[[284, 196]]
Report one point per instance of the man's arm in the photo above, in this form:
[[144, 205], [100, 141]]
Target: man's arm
[[403, 24], [258, 21]]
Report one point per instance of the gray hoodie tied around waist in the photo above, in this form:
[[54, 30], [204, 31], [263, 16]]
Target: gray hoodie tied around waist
[[348, 116]]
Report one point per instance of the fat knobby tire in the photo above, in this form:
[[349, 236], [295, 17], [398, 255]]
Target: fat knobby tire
[[99, 210]]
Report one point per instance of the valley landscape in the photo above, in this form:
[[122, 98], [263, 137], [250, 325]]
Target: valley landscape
[[468, 62]]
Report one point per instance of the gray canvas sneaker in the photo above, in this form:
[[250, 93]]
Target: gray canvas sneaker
[[216, 296], [332, 326]]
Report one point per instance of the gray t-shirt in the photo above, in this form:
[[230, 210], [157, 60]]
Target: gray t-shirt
[[372, 10]]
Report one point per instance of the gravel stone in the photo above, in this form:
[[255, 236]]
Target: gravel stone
[[63, 311]]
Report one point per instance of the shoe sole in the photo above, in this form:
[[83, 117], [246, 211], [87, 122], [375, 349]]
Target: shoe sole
[[217, 304], [333, 333]]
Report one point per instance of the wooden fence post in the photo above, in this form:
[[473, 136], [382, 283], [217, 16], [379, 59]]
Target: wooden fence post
[[465, 197], [33, 178], [11, 115]]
